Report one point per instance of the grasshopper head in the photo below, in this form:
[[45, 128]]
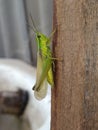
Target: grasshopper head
[[41, 37]]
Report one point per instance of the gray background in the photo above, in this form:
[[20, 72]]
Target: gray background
[[16, 39]]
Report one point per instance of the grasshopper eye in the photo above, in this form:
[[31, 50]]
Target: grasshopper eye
[[39, 36]]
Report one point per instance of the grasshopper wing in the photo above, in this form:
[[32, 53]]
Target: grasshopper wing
[[40, 93]]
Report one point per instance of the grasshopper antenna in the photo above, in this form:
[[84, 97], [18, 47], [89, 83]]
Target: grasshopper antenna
[[33, 27], [51, 35]]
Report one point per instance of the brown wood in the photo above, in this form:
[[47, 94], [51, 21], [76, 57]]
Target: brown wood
[[75, 96]]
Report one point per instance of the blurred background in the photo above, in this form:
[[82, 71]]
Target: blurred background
[[17, 64], [16, 39]]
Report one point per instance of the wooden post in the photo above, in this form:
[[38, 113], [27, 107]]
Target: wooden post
[[75, 96]]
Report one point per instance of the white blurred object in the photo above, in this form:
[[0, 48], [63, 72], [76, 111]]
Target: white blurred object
[[16, 74]]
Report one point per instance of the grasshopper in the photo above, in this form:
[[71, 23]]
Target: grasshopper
[[44, 64]]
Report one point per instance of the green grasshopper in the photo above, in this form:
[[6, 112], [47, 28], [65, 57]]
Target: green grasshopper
[[44, 64]]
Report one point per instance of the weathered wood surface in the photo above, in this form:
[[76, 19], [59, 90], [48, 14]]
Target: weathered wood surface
[[75, 96]]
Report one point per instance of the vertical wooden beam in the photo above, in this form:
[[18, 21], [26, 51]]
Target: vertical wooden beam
[[75, 96]]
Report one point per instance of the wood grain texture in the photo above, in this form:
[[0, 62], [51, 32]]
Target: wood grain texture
[[75, 96]]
